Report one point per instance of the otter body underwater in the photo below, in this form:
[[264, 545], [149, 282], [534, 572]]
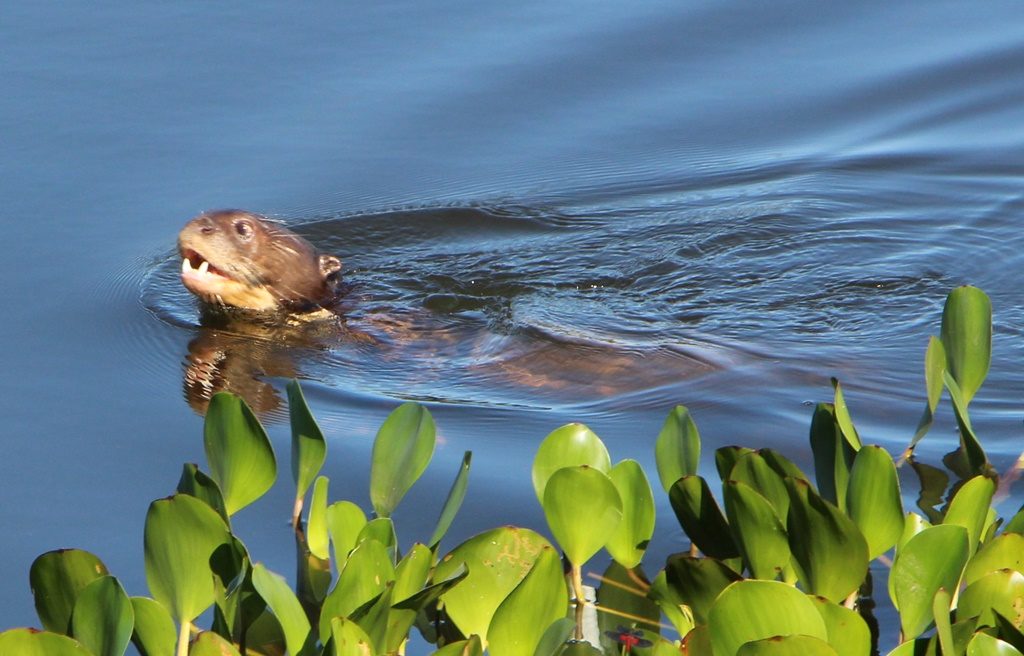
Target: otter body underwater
[[254, 277]]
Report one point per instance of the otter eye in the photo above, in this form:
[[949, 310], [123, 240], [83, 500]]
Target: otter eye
[[244, 229]]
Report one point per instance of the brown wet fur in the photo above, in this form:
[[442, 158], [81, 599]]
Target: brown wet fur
[[256, 264]]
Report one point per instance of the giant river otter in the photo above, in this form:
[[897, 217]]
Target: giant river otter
[[235, 259]]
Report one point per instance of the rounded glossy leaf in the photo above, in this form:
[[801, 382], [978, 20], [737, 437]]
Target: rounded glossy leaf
[[238, 451], [367, 573], [56, 578], [677, 450], [793, 645], [497, 561], [540, 599], [932, 559], [469, 647], [848, 633], [181, 534], [401, 451], [873, 499], [381, 529], [755, 471], [1003, 552], [154, 633], [969, 508], [697, 582], [103, 617], [197, 484], [757, 530], [317, 536], [825, 543], [208, 643], [583, 510], [751, 610], [453, 502], [345, 521], [555, 636], [30, 642], [349, 639], [629, 541], [726, 458], [699, 515], [309, 449], [285, 606], [999, 592], [967, 338], [983, 644], [568, 446]]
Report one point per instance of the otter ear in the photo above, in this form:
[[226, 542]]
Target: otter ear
[[329, 265]]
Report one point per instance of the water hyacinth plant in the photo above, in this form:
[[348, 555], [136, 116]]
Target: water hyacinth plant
[[780, 562]]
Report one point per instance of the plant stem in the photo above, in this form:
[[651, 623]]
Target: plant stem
[[183, 634], [577, 591]]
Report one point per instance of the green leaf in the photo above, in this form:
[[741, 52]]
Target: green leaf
[[238, 451], [754, 470], [629, 541], [970, 506], [970, 447], [757, 530], [967, 338], [677, 450], [345, 522], [1003, 552], [621, 591], [699, 515], [833, 455], [181, 534], [285, 606], [726, 458], [998, 592], [154, 633], [366, 574], [873, 499], [793, 645], [752, 610], [197, 484], [103, 617], [456, 495], [698, 582], [932, 559], [825, 543], [568, 446], [671, 603], [349, 639], [469, 647], [555, 636], [410, 577], [317, 536], [583, 509], [985, 645], [540, 599], [579, 649], [401, 451], [848, 633], [381, 529], [30, 642], [942, 603], [497, 561], [208, 643], [934, 369], [56, 578], [843, 419], [309, 449]]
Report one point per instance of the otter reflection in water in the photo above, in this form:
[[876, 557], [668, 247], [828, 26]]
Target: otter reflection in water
[[267, 296]]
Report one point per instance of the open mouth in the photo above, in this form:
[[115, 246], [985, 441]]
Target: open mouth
[[193, 265]]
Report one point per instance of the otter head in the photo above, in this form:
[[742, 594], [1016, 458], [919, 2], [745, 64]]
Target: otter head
[[236, 259]]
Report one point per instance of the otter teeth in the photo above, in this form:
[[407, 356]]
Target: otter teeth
[[186, 266], [204, 267]]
